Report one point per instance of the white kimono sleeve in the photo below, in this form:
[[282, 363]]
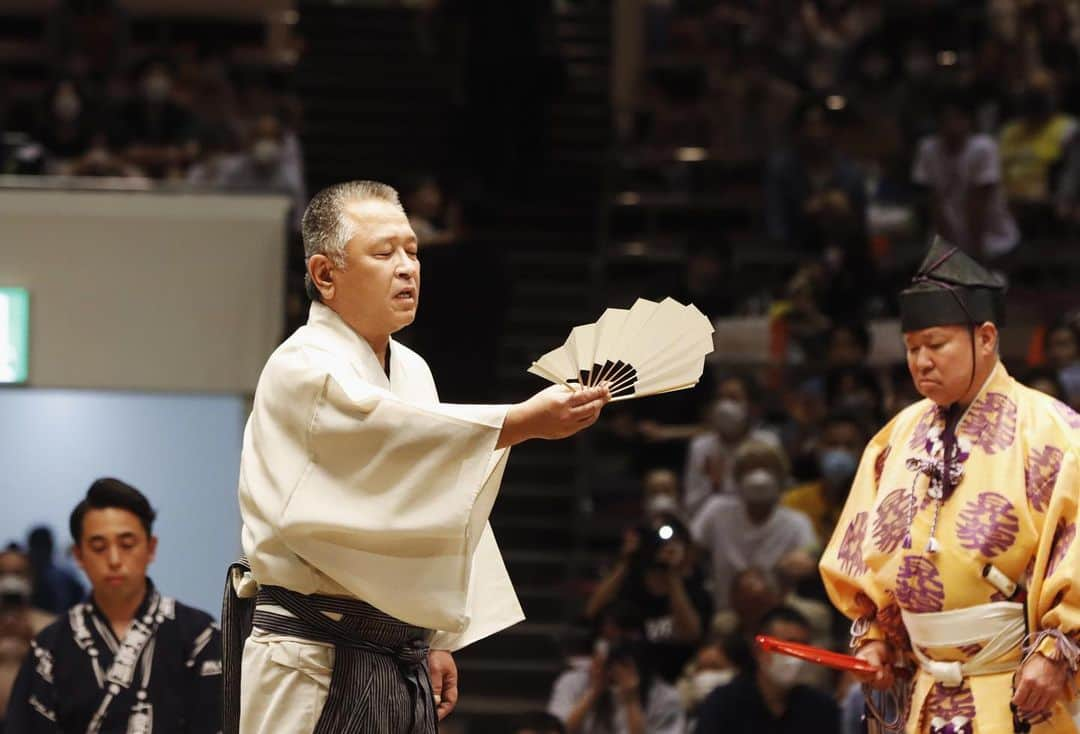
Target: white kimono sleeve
[[393, 507]]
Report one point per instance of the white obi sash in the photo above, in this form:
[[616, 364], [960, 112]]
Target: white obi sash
[[998, 628]]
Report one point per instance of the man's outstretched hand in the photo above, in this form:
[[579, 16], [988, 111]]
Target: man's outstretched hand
[[556, 412]]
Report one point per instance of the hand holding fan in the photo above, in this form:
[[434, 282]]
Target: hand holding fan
[[815, 655], [647, 349]]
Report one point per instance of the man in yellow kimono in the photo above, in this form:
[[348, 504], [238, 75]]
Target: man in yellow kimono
[[365, 500], [955, 553]]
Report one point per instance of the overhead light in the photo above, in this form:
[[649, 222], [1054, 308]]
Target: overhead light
[[691, 155], [946, 58], [836, 102]]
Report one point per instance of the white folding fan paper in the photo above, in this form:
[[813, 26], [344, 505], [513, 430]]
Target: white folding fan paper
[[648, 349]]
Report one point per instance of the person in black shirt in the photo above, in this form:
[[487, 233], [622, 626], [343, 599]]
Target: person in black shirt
[[659, 575], [128, 660], [763, 698]]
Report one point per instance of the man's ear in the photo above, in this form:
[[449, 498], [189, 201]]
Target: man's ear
[[320, 270], [988, 337]]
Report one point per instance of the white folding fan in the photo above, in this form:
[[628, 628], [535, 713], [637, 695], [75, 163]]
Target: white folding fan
[[647, 349]]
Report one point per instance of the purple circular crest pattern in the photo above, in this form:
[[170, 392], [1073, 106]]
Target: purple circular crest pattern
[[879, 465], [851, 548], [922, 428], [891, 523], [988, 524], [1063, 540], [918, 586], [948, 703], [1040, 476], [991, 423], [1071, 416]]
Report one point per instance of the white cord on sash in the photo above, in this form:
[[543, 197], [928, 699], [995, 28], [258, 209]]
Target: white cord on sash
[[999, 627]]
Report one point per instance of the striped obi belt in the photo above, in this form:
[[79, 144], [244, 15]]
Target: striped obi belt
[[380, 680], [995, 631]]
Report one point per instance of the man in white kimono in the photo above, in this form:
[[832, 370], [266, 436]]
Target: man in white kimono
[[365, 500]]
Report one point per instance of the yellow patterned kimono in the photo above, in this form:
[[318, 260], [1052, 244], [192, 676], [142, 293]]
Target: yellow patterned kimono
[[1015, 508]]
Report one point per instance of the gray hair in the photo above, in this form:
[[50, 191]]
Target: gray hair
[[327, 230]]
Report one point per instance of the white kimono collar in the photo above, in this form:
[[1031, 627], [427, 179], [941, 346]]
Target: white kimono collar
[[326, 321]]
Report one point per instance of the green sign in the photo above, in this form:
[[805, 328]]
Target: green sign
[[14, 334]]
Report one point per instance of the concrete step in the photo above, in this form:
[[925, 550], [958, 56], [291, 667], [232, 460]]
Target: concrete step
[[548, 503], [544, 604], [536, 568], [553, 535]]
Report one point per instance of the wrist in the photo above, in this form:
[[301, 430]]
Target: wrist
[[515, 424]]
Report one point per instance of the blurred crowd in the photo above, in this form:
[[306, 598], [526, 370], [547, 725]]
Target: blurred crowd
[[104, 106], [872, 122], [35, 587]]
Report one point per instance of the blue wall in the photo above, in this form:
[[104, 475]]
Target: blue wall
[[182, 451]]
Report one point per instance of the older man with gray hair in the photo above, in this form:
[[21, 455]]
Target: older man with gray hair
[[365, 500]]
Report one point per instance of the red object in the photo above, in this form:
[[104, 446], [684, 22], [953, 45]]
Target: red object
[[815, 655]]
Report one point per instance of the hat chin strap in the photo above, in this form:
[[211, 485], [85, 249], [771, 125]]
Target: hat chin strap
[[971, 333]]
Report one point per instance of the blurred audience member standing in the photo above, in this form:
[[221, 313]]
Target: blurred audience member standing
[[19, 620]]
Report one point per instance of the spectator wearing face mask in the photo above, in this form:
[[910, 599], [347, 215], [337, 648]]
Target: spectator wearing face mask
[[159, 135], [19, 621], [661, 494], [66, 129], [754, 593], [619, 694], [767, 697], [749, 527], [266, 166], [708, 469], [708, 670], [658, 574], [821, 501]]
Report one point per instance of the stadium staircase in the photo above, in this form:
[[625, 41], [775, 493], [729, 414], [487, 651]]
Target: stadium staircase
[[374, 107]]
